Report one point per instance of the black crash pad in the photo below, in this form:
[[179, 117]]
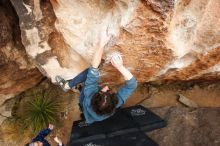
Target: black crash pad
[[131, 119], [137, 138], [115, 123], [144, 118]]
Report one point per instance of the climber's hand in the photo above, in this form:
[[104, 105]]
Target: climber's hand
[[57, 140], [117, 61], [103, 38], [51, 127]]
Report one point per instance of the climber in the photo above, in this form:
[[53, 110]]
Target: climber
[[100, 103], [40, 141]]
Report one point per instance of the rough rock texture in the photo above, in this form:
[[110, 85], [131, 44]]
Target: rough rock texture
[[188, 127], [6, 109], [43, 43], [17, 72], [159, 39], [195, 39]]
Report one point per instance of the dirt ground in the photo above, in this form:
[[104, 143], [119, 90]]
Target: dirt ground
[[204, 94], [187, 126]]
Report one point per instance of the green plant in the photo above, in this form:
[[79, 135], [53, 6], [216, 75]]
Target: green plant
[[40, 111]]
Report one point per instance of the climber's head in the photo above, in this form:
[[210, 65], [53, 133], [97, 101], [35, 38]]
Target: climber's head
[[104, 102]]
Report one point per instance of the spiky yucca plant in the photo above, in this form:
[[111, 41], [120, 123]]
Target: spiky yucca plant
[[41, 111]]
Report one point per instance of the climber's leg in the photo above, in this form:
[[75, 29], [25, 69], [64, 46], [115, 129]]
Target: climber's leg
[[81, 78], [69, 84]]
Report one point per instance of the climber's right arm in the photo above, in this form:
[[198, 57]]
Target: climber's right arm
[[117, 62]]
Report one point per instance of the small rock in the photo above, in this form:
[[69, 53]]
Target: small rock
[[186, 101], [153, 90], [62, 115], [211, 87], [196, 87]]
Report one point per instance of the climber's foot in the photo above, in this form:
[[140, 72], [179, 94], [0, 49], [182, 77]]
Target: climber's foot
[[62, 83]]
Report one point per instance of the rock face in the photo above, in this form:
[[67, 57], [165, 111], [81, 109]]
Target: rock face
[[195, 36], [159, 40], [43, 43], [17, 72]]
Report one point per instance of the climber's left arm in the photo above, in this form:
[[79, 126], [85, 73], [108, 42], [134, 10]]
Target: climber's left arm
[[104, 38], [97, 57]]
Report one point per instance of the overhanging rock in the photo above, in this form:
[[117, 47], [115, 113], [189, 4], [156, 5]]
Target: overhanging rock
[[159, 40]]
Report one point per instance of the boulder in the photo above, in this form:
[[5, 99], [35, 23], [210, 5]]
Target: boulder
[[18, 73], [159, 40]]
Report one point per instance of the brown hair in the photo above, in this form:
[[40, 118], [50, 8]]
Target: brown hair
[[104, 103]]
